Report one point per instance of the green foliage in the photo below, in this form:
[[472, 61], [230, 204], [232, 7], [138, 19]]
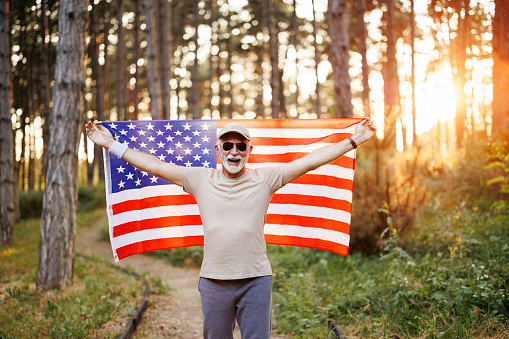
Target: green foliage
[[89, 199], [448, 278]]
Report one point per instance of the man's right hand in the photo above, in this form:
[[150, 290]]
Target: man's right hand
[[99, 134]]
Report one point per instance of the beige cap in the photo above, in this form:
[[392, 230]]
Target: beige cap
[[234, 128]]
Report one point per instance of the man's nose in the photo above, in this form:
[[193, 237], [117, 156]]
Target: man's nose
[[234, 150]]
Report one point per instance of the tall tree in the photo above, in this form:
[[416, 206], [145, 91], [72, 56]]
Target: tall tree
[[7, 207], [121, 52], [273, 52], [339, 21], [412, 37], [501, 69], [58, 221], [391, 80], [460, 53], [97, 77], [318, 101], [154, 84], [164, 42], [45, 85], [195, 100], [361, 9]]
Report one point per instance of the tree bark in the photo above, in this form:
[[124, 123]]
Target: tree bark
[[460, 75], [273, 52], [45, 88], [195, 100], [164, 22], [7, 187], [58, 224], [363, 51], [97, 77], [391, 81], [501, 70], [154, 85], [339, 21], [121, 81], [318, 102]]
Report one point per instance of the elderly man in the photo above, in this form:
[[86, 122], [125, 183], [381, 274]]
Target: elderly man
[[236, 276]]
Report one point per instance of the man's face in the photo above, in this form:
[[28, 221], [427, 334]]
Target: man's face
[[232, 154]]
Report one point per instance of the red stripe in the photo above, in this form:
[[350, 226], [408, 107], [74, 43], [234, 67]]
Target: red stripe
[[291, 123], [147, 224], [298, 220], [306, 242], [266, 141], [158, 201], [311, 200], [158, 244], [324, 180]]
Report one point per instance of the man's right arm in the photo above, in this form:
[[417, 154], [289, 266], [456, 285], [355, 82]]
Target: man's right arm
[[101, 136]]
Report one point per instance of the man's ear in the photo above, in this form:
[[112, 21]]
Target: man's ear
[[216, 148]]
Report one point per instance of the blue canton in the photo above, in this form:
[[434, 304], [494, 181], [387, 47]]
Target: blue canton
[[188, 143]]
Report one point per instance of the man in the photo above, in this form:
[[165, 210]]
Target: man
[[235, 277]]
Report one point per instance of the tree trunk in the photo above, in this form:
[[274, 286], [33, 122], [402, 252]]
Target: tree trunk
[[154, 85], [501, 70], [58, 224], [121, 81], [414, 111], [339, 21], [273, 52], [7, 187], [136, 52], [195, 100], [164, 22], [45, 88], [391, 81], [97, 77], [363, 51], [460, 76], [318, 102], [294, 43]]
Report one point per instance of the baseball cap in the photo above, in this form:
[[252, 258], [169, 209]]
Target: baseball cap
[[234, 128]]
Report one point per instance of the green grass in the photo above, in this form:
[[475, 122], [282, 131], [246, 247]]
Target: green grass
[[457, 288], [99, 293]]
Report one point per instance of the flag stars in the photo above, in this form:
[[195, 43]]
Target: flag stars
[[151, 138], [187, 138], [179, 157], [138, 182], [150, 127], [133, 138], [187, 127], [153, 179], [160, 144], [168, 126], [120, 169], [169, 151], [206, 163], [130, 176], [152, 151], [188, 164], [141, 132], [196, 145], [162, 157], [131, 126], [179, 133], [121, 184], [144, 173], [159, 133], [197, 157], [187, 151], [143, 145], [113, 126], [196, 133], [178, 144], [205, 151], [123, 132], [205, 127], [205, 139], [169, 138]]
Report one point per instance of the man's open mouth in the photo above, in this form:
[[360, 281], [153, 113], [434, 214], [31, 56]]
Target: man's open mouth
[[233, 161]]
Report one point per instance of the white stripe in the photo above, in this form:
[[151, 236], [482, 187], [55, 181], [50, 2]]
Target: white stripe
[[297, 132], [316, 190], [270, 150], [310, 211], [146, 192], [153, 213], [157, 233], [330, 170], [308, 232]]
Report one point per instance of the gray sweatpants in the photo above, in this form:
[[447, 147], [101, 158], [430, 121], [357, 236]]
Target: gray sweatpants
[[248, 300]]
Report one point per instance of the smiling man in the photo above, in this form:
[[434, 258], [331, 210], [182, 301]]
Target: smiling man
[[236, 276]]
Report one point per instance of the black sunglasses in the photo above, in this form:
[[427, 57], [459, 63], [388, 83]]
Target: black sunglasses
[[241, 146]]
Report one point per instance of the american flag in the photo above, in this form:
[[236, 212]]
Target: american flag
[[147, 213]]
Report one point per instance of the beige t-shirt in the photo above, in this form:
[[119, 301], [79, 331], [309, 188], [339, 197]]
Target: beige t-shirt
[[233, 214]]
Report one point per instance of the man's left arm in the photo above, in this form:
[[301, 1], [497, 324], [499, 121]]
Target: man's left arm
[[324, 155]]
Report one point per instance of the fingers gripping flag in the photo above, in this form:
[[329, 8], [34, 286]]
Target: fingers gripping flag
[[147, 213]]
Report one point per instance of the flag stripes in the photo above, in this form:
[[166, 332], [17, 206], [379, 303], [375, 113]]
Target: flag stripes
[[312, 211]]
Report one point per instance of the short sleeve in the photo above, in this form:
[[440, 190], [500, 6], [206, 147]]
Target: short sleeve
[[193, 177], [273, 176]]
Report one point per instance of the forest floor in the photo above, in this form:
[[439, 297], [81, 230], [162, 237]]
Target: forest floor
[[174, 314]]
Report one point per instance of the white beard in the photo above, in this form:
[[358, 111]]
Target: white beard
[[231, 168]]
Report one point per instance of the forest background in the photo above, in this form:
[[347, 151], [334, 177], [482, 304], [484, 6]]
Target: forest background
[[433, 75]]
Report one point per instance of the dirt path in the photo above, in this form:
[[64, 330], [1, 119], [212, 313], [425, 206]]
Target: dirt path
[[176, 314]]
